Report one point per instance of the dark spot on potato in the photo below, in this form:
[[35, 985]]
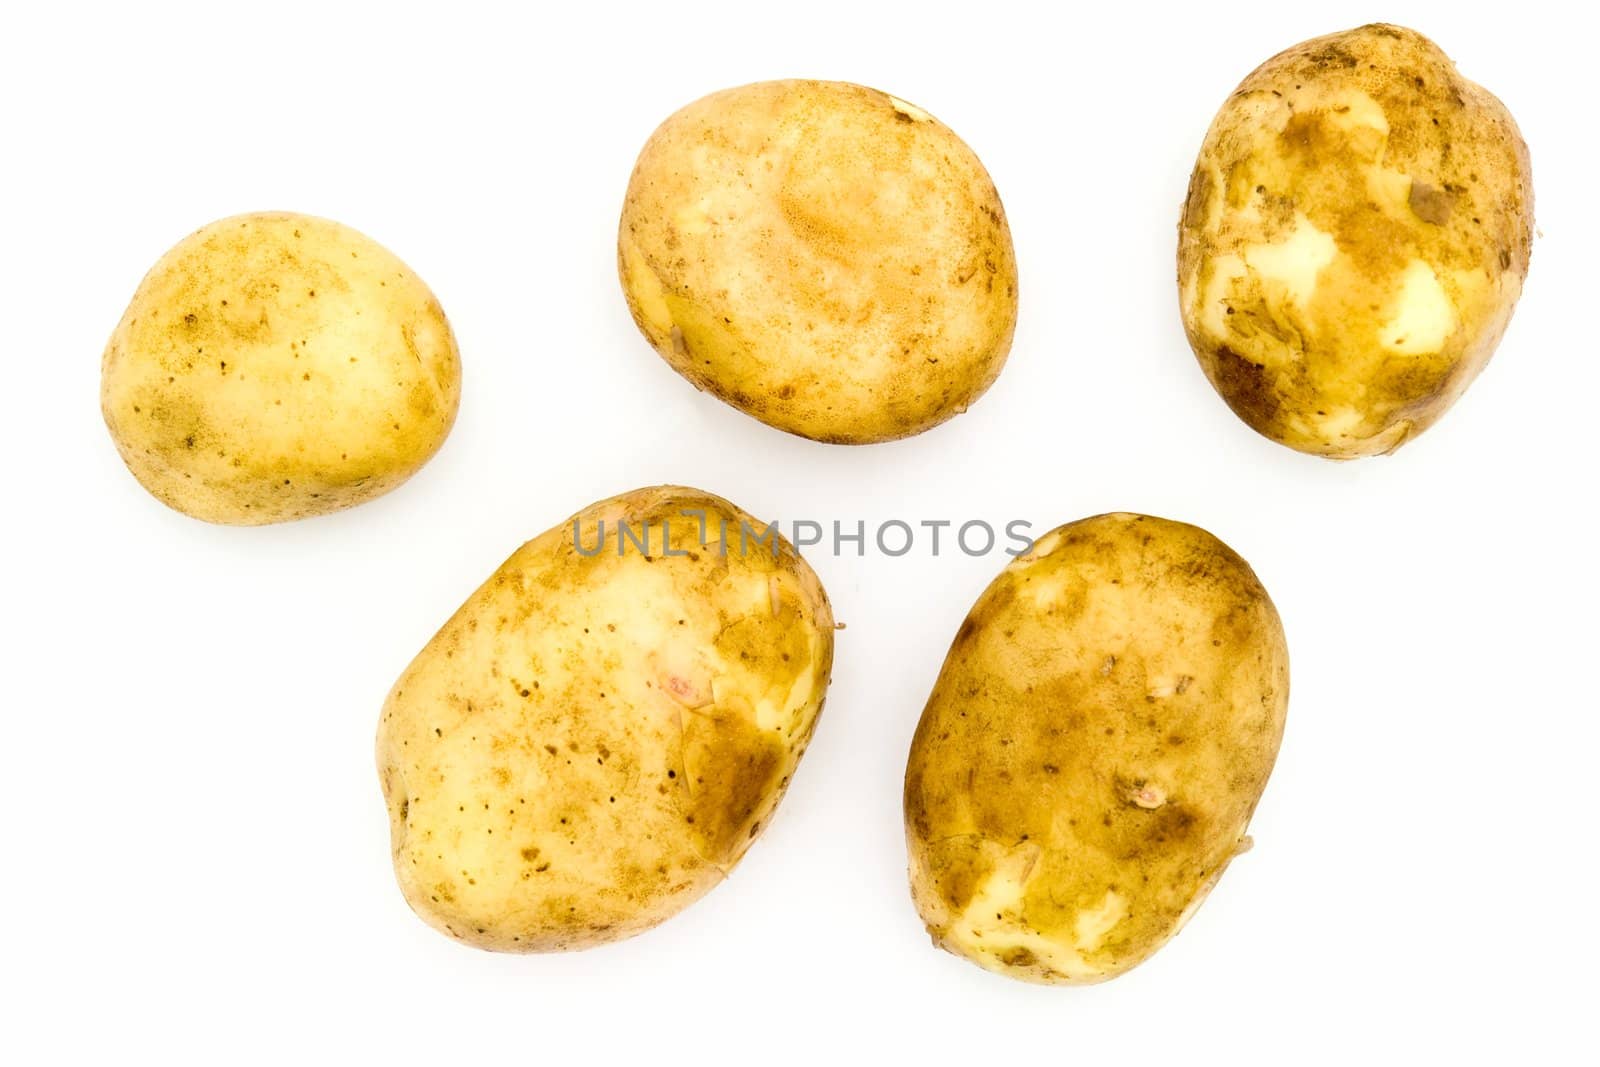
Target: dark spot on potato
[[1247, 388], [1430, 204], [1195, 204]]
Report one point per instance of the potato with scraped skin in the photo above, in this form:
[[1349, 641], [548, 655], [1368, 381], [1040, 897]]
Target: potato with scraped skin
[[276, 366], [823, 256], [596, 737], [1356, 235], [1093, 749]]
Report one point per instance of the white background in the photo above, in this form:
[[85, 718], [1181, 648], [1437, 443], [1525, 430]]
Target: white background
[[196, 859]]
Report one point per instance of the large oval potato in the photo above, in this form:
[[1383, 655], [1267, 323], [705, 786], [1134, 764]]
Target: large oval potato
[[1356, 235], [276, 366], [596, 737], [825, 257], [1094, 747]]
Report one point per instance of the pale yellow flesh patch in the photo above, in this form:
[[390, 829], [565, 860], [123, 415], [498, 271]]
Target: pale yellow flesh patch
[[1423, 317], [910, 109], [1295, 262], [1288, 270], [992, 928]]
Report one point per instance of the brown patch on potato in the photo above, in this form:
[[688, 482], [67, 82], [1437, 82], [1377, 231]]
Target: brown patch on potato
[[1432, 204], [1197, 203], [1246, 387], [732, 770]]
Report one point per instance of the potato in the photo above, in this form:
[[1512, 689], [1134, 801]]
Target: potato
[[1093, 749], [596, 737], [276, 366], [1355, 237], [822, 256]]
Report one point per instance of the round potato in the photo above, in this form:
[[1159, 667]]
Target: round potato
[[1355, 237], [596, 737], [276, 366], [1093, 749], [825, 257]]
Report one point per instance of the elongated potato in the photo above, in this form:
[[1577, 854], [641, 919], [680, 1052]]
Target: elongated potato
[[596, 737], [1093, 749], [823, 256], [1356, 235], [277, 366]]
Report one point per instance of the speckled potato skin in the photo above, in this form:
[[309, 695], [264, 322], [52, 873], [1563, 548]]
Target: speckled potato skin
[[1356, 234], [592, 742], [823, 256], [1094, 747], [277, 366]]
